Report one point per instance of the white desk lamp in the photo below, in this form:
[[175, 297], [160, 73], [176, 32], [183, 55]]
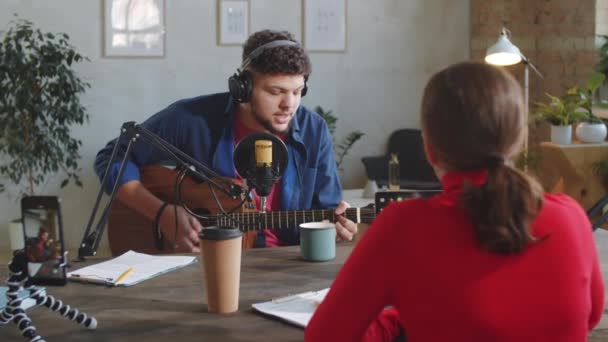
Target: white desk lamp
[[503, 52]]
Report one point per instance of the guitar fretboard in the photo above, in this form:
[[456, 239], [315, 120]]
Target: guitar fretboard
[[286, 219]]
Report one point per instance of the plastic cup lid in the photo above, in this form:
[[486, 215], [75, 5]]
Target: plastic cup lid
[[219, 233]]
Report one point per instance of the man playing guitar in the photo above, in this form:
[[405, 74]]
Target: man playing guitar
[[265, 95]]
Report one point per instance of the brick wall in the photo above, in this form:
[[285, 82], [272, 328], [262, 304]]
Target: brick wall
[[558, 36], [601, 17]]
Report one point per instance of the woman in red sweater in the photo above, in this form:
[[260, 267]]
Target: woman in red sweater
[[491, 258]]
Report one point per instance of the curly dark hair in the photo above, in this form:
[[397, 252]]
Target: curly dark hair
[[289, 60]]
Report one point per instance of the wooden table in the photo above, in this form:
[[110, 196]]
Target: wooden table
[[173, 306]]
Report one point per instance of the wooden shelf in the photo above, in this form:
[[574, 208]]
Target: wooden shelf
[[600, 112], [569, 169]]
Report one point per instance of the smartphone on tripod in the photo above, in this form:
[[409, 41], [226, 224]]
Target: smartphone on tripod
[[43, 237]]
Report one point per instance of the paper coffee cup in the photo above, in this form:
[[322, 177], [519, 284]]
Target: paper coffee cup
[[318, 241], [221, 254]]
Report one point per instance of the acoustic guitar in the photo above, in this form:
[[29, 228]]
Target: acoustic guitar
[[128, 230]]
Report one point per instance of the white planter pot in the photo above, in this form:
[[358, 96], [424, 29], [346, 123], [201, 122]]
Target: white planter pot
[[591, 133], [561, 135], [15, 233]]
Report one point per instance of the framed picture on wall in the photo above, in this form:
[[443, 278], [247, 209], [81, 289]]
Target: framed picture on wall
[[134, 28], [233, 22], [324, 25]]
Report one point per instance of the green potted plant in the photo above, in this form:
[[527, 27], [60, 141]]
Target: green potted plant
[[346, 143], [39, 103], [591, 129], [560, 113]]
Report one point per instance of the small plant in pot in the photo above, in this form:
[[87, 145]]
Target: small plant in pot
[[39, 103], [341, 148], [591, 129], [560, 113]]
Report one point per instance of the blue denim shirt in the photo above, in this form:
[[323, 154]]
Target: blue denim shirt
[[202, 127]]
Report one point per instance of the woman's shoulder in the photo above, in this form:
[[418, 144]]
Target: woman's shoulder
[[561, 210], [409, 207], [397, 222], [560, 201]]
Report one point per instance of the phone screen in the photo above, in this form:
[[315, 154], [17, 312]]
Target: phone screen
[[43, 233]]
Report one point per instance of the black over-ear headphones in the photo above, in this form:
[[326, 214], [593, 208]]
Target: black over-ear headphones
[[241, 84]]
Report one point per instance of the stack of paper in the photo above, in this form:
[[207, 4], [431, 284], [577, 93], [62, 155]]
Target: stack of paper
[[295, 309], [130, 269]]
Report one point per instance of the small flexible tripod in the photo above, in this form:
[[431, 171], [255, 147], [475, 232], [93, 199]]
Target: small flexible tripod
[[18, 278]]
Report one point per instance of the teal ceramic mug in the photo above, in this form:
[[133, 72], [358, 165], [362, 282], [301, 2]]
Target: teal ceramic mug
[[318, 241]]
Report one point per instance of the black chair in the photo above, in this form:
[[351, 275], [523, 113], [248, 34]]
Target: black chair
[[415, 171]]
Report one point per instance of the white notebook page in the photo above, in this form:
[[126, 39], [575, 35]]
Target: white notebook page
[[295, 309], [144, 267]]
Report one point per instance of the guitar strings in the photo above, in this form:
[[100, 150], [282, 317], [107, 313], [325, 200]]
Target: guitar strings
[[366, 213], [261, 219], [208, 217], [228, 215]]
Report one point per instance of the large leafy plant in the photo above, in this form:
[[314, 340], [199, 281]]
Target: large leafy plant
[[39, 102], [573, 106], [341, 148], [560, 111], [583, 97]]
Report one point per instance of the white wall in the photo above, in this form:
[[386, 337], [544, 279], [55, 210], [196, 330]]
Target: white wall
[[393, 46]]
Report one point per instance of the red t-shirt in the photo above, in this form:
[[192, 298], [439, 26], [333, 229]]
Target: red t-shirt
[[421, 256], [273, 200]]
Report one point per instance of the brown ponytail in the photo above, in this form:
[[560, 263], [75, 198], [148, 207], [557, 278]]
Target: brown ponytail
[[472, 116], [503, 208]]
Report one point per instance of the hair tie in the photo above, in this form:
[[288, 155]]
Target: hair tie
[[494, 160]]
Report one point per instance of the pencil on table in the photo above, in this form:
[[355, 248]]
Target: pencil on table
[[124, 275]]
